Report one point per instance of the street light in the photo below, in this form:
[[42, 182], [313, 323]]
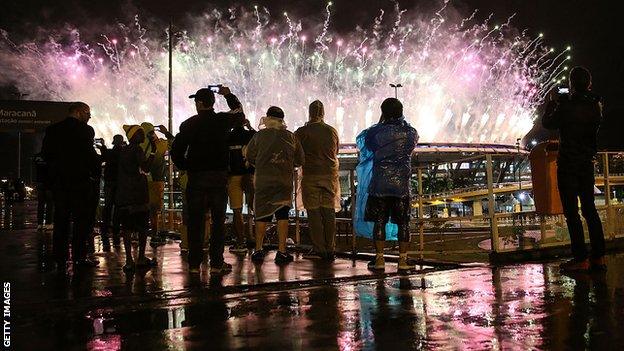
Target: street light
[[396, 89]]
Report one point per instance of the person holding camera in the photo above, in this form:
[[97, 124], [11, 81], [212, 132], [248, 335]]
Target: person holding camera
[[156, 176], [240, 183], [577, 116], [202, 149]]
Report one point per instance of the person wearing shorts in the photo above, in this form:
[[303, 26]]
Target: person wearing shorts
[[392, 141], [240, 184], [275, 152]]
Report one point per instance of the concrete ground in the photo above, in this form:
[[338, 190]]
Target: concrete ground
[[307, 305]]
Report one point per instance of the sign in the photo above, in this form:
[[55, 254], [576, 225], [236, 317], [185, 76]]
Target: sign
[[31, 116]]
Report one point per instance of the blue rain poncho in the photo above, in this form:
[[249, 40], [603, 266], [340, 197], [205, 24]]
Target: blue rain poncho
[[386, 150], [364, 172]]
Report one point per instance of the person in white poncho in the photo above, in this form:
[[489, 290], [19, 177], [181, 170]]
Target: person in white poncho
[[274, 152]]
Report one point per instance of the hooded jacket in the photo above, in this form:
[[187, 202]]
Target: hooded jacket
[[392, 143]]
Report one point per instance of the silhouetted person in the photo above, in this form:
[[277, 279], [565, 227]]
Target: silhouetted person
[[319, 185], [110, 214], [275, 152], [156, 173], [73, 165], [240, 182], [392, 141], [201, 148], [577, 116], [132, 198]]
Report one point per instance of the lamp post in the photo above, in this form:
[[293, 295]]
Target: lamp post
[[396, 89]]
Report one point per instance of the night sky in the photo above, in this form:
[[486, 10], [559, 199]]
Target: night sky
[[593, 28]]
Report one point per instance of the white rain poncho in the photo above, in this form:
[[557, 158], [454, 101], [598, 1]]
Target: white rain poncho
[[274, 152]]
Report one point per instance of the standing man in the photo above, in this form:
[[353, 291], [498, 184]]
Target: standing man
[[201, 148], [320, 180], [156, 175], [110, 214], [73, 165], [392, 142], [240, 183], [577, 116]]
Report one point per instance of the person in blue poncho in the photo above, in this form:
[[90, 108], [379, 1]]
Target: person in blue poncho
[[392, 142]]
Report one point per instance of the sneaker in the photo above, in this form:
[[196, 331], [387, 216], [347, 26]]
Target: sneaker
[[312, 255], [258, 255], [377, 264], [283, 257], [405, 265], [223, 269], [598, 263], [238, 249], [575, 265]]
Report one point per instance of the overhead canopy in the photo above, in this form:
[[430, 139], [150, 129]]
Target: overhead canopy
[[30, 116]]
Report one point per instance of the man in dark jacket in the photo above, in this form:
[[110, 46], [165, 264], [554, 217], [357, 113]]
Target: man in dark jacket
[[240, 182], [73, 165], [110, 214], [201, 148], [392, 141], [577, 116]]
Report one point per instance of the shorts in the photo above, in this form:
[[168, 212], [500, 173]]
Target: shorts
[[156, 195], [280, 214], [237, 186], [381, 209]]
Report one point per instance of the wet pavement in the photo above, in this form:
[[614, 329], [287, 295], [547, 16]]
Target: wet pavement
[[306, 305]]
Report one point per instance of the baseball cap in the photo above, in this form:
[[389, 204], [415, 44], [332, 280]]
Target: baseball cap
[[275, 112], [203, 95]]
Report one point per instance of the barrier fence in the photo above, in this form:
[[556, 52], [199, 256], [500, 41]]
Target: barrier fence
[[488, 208]]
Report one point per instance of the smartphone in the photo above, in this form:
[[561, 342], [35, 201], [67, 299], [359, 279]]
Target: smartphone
[[215, 88], [563, 90]]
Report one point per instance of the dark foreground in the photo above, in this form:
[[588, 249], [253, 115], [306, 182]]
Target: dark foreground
[[305, 306]]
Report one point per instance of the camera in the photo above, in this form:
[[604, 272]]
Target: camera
[[215, 88]]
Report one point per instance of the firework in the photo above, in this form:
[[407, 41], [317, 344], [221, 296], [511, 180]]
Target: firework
[[463, 80]]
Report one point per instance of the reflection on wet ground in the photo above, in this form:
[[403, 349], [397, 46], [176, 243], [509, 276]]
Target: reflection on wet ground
[[305, 306]]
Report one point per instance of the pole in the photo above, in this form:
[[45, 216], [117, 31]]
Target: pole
[[421, 224], [19, 154], [491, 204], [297, 228], [353, 200], [170, 120], [607, 193]]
